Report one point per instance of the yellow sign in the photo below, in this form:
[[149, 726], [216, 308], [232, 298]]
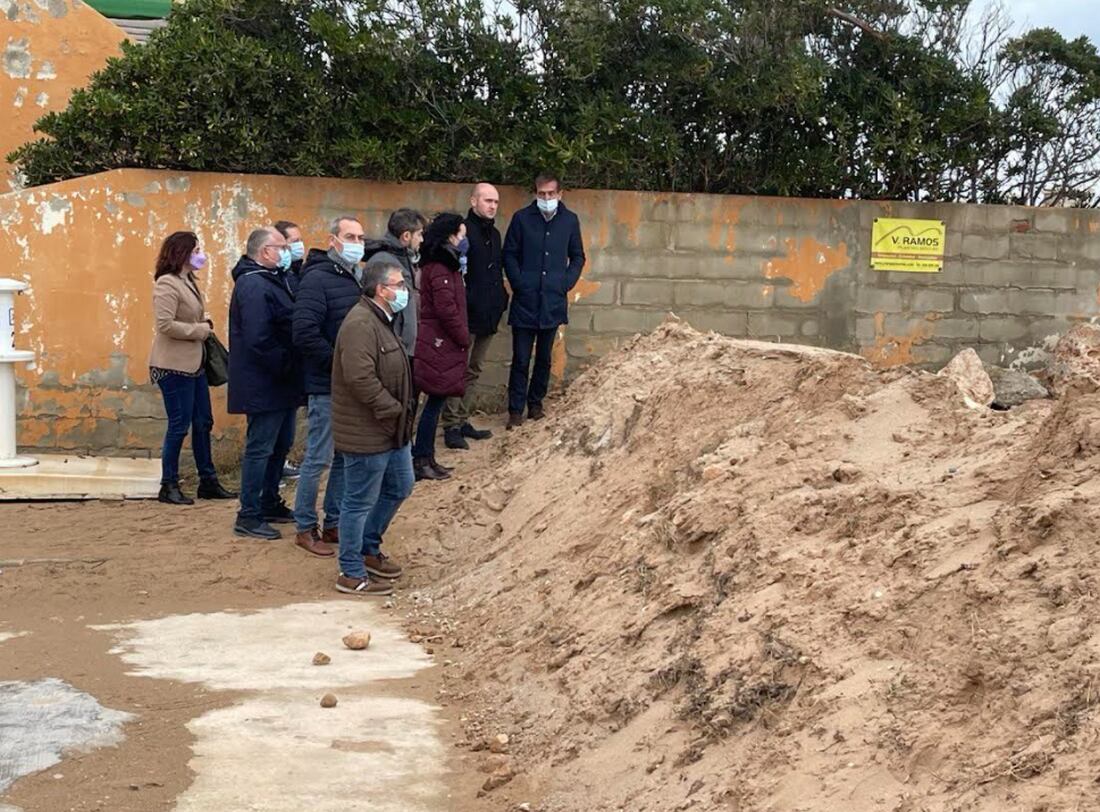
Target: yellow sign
[[908, 245]]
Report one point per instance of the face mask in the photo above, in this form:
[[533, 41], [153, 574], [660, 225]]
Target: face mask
[[548, 206], [284, 258], [297, 249], [401, 302], [463, 246], [352, 252], [197, 261]]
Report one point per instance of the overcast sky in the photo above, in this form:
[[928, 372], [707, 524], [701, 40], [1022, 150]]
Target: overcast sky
[[1070, 17]]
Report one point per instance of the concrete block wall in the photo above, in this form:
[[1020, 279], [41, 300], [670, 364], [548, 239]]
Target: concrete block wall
[[767, 268]]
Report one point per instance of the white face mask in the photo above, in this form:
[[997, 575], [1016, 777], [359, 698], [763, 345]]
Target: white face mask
[[548, 206]]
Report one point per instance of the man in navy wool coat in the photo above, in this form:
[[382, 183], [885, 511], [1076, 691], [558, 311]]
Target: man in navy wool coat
[[543, 259]]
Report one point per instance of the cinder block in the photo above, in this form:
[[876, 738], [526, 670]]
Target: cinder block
[[933, 355], [1011, 302], [673, 208], [722, 294], [770, 325], [141, 432], [878, 300], [1003, 328], [726, 322], [626, 320], [605, 294], [589, 346], [865, 329], [1080, 248], [956, 328], [580, 317], [649, 292], [1056, 221], [933, 300], [784, 299], [810, 328], [978, 247], [1033, 245]]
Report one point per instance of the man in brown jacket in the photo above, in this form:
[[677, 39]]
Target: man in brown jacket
[[372, 413]]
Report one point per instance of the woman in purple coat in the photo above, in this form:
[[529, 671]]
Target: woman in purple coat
[[443, 334]]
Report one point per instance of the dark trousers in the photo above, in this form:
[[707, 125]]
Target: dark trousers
[[269, 438], [187, 403], [522, 393], [425, 430]]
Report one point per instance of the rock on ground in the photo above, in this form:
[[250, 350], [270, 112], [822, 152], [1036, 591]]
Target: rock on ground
[[966, 370], [1011, 387], [1075, 363]]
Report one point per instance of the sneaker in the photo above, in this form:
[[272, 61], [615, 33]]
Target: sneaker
[[280, 514], [257, 529], [535, 412], [310, 541], [290, 471], [331, 535], [361, 586], [381, 566], [475, 434], [515, 420], [453, 438]]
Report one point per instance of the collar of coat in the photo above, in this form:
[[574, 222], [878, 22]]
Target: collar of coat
[[385, 317], [485, 222], [444, 255]]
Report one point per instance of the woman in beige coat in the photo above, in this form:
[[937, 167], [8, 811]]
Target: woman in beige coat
[[176, 366]]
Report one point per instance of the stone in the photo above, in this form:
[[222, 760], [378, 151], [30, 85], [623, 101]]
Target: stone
[[498, 779], [966, 370], [328, 701], [1011, 387], [499, 743], [357, 641], [1075, 362], [320, 658]]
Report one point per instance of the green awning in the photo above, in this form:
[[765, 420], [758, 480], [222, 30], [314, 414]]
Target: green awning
[[132, 9]]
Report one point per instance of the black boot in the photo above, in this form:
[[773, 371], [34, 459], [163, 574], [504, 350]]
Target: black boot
[[423, 469], [440, 468], [475, 434], [453, 438], [212, 489], [171, 494]]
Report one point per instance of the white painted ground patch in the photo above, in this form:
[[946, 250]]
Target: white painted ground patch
[[40, 720], [278, 750]]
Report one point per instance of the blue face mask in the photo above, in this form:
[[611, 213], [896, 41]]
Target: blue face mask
[[548, 206], [402, 300], [463, 247], [352, 252], [284, 258], [297, 250]]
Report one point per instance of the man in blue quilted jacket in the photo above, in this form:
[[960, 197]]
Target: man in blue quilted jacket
[[543, 259], [328, 289]]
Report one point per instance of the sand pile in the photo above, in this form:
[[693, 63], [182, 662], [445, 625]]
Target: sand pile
[[737, 576]]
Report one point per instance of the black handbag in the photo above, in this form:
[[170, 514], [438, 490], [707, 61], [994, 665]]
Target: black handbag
[[216, 362]]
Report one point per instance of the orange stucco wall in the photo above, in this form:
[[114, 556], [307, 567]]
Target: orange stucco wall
[[51, 47], [793, 270]]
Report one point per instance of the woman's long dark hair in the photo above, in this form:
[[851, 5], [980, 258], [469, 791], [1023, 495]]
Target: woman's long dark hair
[[175, 252], [442, 227]]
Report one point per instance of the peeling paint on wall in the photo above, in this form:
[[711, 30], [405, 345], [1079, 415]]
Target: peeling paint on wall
[[808, 264], [896, 350]]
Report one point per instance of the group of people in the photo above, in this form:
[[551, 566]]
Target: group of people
[[356, 332]]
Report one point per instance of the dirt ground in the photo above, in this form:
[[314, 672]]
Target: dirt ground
[[143, 560], [720, 576]]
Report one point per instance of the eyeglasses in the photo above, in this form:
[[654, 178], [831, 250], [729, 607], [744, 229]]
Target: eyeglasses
[[398, 285]]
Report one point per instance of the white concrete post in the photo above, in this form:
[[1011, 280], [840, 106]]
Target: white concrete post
[[9, 357]]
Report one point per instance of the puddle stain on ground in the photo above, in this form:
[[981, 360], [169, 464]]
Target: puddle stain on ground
[[41, 720], [277, 750]]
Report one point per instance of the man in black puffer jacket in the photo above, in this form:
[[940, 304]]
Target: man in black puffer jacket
[[328, 289]]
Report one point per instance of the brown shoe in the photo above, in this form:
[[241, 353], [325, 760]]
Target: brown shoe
[[382, 567], [310, 541], [515, 420], [535, 413], [331, 535], [362, 586]]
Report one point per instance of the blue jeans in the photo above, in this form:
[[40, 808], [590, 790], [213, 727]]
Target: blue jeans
[[269, 438], [429, 422], [319, 456], [375, 485], [520, 394], [187, 403]]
